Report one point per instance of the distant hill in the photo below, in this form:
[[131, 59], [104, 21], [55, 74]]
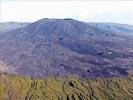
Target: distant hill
[[14, 87], [8, 26], [121, 29], [62, 47]]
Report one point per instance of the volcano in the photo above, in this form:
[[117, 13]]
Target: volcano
[[65, 47]]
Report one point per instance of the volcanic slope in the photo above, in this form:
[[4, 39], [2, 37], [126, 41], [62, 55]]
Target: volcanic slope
[[65, 47]]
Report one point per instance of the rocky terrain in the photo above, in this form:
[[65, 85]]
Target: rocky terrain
[[62, 47], [14, 87]]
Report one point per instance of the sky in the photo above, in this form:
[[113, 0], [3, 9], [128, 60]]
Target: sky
[[88, 11]]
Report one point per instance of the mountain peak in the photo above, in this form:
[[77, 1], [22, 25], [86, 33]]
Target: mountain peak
[[55, 19], [58, 26]]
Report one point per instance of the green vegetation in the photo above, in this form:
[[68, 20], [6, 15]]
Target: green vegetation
[[13, 87]]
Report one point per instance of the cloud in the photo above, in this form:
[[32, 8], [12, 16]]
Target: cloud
[[95, 11]]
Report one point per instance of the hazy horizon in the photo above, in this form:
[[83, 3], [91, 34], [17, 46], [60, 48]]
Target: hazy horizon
[[86, 11], [65, 18]]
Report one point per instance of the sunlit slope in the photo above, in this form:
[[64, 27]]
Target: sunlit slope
[[65, 88]]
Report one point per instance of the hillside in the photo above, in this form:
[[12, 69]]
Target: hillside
[[121, 29], [9, 26], [62, 47], [14, 87]]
